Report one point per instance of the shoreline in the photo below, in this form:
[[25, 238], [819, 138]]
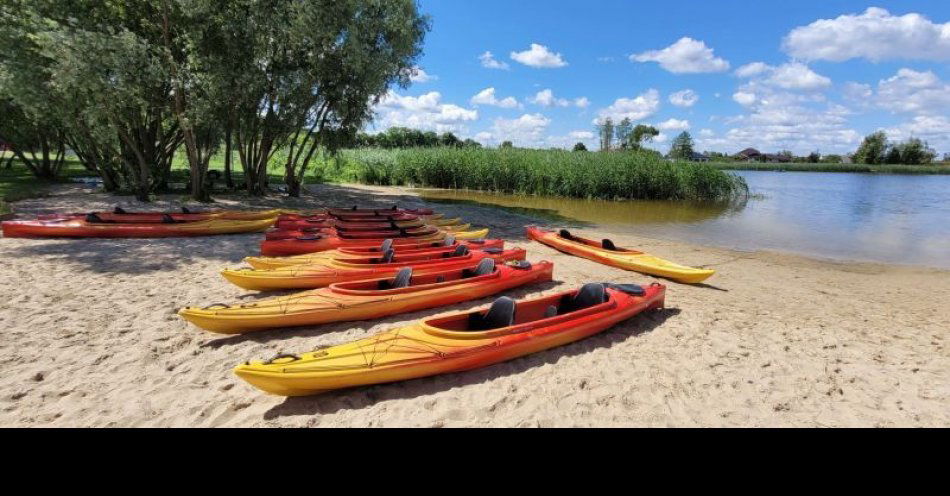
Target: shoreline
[[773, 339]]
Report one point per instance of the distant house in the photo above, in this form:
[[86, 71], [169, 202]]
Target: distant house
[[698, 157], [749, 155]]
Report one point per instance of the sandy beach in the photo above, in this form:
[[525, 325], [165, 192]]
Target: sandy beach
[[91, 338]]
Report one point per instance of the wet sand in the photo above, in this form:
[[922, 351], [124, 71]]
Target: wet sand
[[91, 338]]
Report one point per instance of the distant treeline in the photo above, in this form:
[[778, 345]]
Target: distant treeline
[[403, 137]]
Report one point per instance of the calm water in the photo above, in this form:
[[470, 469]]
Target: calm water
[[884, 218]]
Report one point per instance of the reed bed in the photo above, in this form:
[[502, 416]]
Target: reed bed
[[610, 176]]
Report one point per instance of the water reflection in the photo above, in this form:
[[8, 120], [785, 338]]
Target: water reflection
[[884, 218]]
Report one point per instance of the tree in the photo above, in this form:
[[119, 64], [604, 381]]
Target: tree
[[449, 139], [605, 130], [814, 157], [916, 152], [580, 147], [642, 134], [32, 135], [682, 147], [623, 132], [873, 150], [893, 155], [507, 145]]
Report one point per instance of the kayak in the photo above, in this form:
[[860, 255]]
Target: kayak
[[455, 342], [293, 229], [334, 270], [80, 228], [372, 299], [185, 215], [315, 244], [449, 244], [606, 253], [377, 211]]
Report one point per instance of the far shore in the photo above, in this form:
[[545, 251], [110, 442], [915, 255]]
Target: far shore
[[91, 338]]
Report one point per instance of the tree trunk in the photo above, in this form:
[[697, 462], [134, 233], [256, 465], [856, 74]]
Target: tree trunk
[[228, 155]]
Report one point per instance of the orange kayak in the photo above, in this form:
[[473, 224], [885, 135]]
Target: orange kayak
[[335, 270], [448, 245], [185, 215], [373, 299], [80, 228], [455, 342]]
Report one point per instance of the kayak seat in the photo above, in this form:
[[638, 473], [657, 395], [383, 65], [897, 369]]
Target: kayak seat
[[630, 289], [484, 268], [493, 251], [500, 315], [550, 312], [388, 256], [477, 242], [185, 210], [95, 219], [387, 245], [119, 211], [566, 235], [460, 251], [403, 280], [590, 294], [609, 245], [167, 219], [520, 264], [449, 241]]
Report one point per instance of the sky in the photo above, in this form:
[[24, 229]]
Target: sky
[[807, 75]]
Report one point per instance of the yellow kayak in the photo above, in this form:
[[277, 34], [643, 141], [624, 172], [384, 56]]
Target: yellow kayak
[[608, 254]]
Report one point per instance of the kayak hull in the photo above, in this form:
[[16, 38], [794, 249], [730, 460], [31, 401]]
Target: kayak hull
[[362, 300], [290, 247], [335, 270], [623, 259], [268, 263], [77, 228], [427, 348]]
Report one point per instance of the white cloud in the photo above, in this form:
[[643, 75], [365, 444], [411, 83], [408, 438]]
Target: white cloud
[[418, 75], [707, 133], [487, 97], [779, 124], [744, 98], [489, 62], [874, 35], [546, 98], [673, 125], [425, 112], [753, 69], [915, 92], [582, 135], [582, 102], [539, 56], [527, 130], [797, 76], [934, 129], [686, 56], [858, 91], [685, 98], [640, 107]]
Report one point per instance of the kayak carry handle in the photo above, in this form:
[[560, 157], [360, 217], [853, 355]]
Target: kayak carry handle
[[281, 356]]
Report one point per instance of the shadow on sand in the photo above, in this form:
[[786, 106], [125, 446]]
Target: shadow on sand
[[356, 399]]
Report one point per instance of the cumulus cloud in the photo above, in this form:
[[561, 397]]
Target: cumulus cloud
[[637, 108], [685, 98], [540, 57], [934, 129], [914, 92], [797, 76], [799, 128], [686, 56], [582, 102], [874, 35], [744, 98], [753, 69], [582, 135], [546, 98], [423, 112], [673, 125], [418, 75], [527, 130], [487, 97]]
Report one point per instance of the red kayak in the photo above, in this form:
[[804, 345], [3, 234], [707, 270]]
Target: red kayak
[[301, 225], [315, 244], [357, 212]]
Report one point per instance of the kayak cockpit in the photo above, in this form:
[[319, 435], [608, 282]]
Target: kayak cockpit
[[606, 244], [406, 281], [506, 316]]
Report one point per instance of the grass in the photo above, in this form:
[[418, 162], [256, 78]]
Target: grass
[[18, 183], [611, 176], [853, 168]]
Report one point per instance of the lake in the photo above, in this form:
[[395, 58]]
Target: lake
[[869, 217]]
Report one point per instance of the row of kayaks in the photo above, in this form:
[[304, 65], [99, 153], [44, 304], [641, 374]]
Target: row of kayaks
[[358, 278]]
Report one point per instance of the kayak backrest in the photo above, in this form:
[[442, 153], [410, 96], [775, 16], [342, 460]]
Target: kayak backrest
[[460, 251], [500, 315], [403, 280], [118, 211], [449, 240], [387, 245], [388, 256], [608, 245], [589, 295], [566, 235], [484, 268]]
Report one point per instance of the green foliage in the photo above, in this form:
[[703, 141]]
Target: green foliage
[[682, 147], [873, 150], [634, 175], [580, 147], [507, 144]]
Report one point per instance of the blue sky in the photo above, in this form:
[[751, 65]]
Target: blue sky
[[805, 75]]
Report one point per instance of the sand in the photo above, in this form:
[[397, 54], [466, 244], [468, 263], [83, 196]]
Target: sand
[[91, 338]]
